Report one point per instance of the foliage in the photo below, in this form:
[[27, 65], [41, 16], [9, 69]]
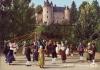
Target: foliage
[[73, 13], [39, 9], [17, 18], [88, 20]]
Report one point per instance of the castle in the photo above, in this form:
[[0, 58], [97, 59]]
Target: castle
[[53, 14]]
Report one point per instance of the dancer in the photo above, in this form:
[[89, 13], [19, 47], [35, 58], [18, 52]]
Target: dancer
[[6, 50], [62, 52], [35, 52], [28, 55], [71, 49], [81, 51], [10, 55], [53, 51], [41, 57], [67, 51]]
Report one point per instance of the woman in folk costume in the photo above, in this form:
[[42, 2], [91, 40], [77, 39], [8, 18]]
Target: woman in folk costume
[[24, 45], [58, 48], [15, 48], [67, 51], [10, 55], [81, 50], [71, 49], [41, 57], [53, 52], [28, 55], [62, 53]]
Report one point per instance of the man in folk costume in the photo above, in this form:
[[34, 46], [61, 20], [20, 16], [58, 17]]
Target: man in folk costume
[[35, 52], [81, 50], [6, 50], [53, 52], [88, 51], [48, 48], [28, 55], [91, 52]]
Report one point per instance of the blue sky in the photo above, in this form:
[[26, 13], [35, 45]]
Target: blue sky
[[60, 2]]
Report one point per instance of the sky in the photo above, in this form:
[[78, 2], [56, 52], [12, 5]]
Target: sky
[[61, 3]]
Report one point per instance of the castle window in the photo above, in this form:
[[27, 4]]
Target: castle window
[[47, 11], [47, 16]]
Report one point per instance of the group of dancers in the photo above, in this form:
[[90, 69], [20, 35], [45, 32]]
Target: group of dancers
[[42, 48]]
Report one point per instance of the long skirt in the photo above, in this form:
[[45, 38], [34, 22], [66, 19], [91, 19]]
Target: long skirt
[[54, 54], [63, 55], [10, 56], [35, 56], [41, 60]]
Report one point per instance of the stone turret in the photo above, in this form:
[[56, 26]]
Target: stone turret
[[47, 12], [67, 14]]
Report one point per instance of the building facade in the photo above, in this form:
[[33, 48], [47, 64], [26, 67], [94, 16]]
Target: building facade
[[53, 14]]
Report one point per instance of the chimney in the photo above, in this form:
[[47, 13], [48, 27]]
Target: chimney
[[55, 5]]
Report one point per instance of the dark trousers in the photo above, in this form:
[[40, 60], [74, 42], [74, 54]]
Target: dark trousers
[[81, 53], [54, 55], [28, 57]]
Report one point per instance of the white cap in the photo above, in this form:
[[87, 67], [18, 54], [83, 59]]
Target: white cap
[[89, 44], [40, 46]]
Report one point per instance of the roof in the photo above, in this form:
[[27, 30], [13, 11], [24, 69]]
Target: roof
[[58, 9]]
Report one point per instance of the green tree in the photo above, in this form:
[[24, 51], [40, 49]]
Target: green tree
[[39, 9], [87, 21], [73, 13], [5, 20], [17, 18]]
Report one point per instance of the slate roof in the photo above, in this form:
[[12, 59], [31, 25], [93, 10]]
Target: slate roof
[[58, 9]]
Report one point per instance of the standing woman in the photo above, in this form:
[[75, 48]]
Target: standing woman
[[63, 54], [71, 49], [41, 57], [23, 47], [67, 51]]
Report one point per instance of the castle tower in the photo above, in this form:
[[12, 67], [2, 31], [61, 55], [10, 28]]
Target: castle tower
[[67, 14], [47, 12]]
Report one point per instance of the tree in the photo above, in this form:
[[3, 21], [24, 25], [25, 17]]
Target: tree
[[5, 13], [87, 21], [17, 18], [73, 13], [39, 9]]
